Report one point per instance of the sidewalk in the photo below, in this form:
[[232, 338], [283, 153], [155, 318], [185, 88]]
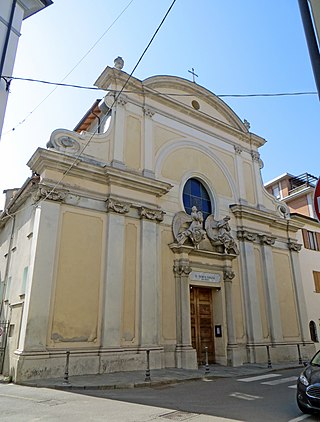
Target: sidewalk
[[136, 379]]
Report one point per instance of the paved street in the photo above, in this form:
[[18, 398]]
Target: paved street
[[256, 397], [266, 397]]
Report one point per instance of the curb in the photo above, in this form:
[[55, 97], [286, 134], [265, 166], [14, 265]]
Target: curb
[[153, 383]]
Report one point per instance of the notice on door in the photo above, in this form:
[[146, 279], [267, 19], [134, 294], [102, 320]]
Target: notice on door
[[208, 277]]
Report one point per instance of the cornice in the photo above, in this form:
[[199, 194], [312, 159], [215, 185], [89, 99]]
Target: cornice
[[190, 250], [272, 218], [23, 194], [97, 172]]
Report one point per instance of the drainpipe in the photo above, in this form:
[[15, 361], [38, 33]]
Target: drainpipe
[[6, 42]]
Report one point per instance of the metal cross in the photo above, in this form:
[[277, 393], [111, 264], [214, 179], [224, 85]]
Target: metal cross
[[193, 74]]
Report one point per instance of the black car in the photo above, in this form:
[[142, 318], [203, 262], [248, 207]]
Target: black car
[[308, 386]]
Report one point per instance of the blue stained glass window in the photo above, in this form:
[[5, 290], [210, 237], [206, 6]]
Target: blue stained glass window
[[195, 194]]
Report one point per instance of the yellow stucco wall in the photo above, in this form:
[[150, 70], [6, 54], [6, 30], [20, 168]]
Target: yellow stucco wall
[[162, 136], [185, 159], [76, 299], [286, 295], [132, 151], [129, 317]]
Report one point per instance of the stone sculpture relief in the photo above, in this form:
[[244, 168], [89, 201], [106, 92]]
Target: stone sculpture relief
[[219, 232], [194, 231]]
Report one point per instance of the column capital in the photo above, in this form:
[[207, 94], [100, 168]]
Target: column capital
[[122, 100], [148, 112], [50, 193], [151, 214], [267, 240], [255, 156], [182, 267], [246, 235], [294, 246], [228, 274], [117, 206], [238, 150]]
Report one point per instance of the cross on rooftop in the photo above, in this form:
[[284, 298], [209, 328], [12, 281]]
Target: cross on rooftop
[[193, 74]]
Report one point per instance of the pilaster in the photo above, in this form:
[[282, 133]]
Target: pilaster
[[251, 294], [185, 354], [240, 176], [257, 163], [119, 132], [271, 288], [294, 249], [35, 319], [148, 143], [113, 286], [149, 281]]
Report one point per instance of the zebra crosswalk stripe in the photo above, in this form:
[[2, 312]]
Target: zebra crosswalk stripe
[[259, 377], [279, 381]]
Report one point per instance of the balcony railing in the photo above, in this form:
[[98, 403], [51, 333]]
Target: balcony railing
[[304, 180]]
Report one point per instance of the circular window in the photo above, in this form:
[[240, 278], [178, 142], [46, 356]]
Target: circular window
[[195, 194], [195, 105]]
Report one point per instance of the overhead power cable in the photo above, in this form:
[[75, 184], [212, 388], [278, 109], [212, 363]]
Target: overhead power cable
[[172, 94], [69, 73], [76, 160]]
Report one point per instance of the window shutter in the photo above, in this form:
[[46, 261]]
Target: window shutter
[[316, 276], [305, 238], [318, 241]]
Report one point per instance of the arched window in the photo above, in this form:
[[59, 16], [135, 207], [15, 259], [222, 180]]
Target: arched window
[[313, 331], [195, 194]]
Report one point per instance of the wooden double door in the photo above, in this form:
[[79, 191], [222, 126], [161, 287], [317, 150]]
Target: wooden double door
[[202, 322]]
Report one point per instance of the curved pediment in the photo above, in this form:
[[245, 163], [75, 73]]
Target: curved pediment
[[195, 97]]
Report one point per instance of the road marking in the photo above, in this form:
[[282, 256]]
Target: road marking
[[258, 378], [293, 386], [280, 381], [244, 396], [300, 418]]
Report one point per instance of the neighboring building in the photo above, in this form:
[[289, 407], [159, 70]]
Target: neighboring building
[[155, 233], [12, 13], [297, 193]]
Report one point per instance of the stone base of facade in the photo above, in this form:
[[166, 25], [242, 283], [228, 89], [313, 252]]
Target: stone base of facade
[[280, 352], [41, 365], [186, 357], [236, 355]]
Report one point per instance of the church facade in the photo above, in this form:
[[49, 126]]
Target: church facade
[[148, 228]]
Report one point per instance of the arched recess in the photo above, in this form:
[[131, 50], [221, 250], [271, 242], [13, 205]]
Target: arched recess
[[179, 160]]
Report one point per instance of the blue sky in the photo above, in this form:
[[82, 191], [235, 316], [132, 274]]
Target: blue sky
[[236, 47]]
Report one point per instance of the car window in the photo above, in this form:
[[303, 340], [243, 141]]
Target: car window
[[316, 359]]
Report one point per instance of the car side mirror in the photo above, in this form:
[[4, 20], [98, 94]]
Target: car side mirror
[[306, 363]]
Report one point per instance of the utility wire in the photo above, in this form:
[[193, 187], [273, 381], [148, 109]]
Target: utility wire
[[69, 73], [76, 160], [172, 94]]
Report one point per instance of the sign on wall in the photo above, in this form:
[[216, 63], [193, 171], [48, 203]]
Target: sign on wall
[[208, 277], [316, 200]]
